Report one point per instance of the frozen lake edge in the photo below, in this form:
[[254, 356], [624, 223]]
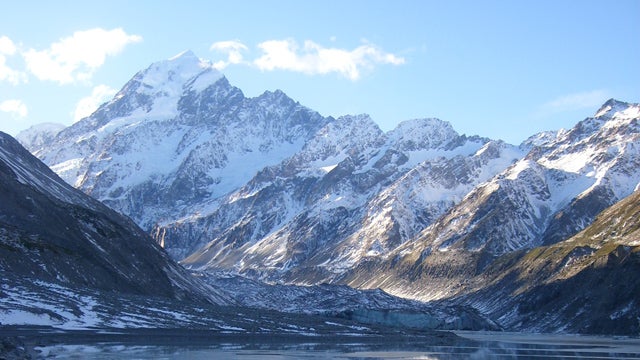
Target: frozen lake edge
[[47, 342]]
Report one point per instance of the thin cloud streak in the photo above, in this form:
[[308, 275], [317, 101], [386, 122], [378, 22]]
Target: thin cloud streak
[[8, 48], [14, 107], [576, 101], [311, 58]]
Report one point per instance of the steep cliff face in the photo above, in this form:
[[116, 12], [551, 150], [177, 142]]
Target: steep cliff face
[[585, 284], [51, 232]]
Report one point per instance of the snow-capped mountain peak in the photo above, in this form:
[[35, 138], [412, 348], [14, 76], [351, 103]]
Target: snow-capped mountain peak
[[422, 134], [35, 136], [554, 191], [186, 55], [178, 133], [157, 89], [613, 106], [173, 74]]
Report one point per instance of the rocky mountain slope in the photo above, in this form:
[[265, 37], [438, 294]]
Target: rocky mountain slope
[[51, 232], [552, 193], [177, 134], [35, 137], [368, 203], [68, 261], [586, 284]]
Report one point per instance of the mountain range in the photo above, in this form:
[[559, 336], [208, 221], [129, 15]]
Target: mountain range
[[70, 262], [269, 190]]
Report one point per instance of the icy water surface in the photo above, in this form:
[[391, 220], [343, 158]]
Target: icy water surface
[[474, 345], [143, 344]]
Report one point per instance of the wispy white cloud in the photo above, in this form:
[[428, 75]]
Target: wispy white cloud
[[87, 105], [75, 58], [233, 49], [8, 48], [576, 101], [310, 58], [15, 107], [313, 58]]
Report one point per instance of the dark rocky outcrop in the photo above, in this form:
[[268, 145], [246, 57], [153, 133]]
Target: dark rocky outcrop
[[54, 233]]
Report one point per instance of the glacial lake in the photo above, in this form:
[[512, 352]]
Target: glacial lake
[[473, 345]]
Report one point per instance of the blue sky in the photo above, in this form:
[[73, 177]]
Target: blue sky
[[502, 69]]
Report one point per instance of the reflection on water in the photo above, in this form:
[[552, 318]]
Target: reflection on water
[[482, 346]]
